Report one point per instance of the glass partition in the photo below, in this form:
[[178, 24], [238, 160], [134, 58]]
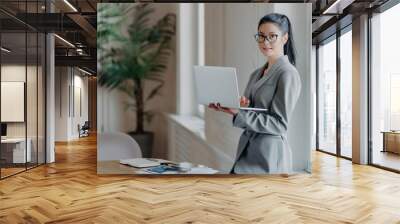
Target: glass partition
[[13, 103], [22, 88]]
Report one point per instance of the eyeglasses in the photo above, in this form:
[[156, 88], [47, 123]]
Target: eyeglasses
[[271, 38]]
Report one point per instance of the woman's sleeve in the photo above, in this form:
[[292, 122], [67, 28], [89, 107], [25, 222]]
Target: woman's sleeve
[[275, 121]]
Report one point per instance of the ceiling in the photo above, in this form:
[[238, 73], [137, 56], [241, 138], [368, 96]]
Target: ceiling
[[330, 16], [72, 20], [75, 21]]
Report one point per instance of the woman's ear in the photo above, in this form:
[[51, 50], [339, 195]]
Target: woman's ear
[[285, 38]]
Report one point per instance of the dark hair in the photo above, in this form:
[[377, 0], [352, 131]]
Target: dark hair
[[283, 23]]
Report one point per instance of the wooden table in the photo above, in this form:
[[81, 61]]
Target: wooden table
[[114, 167], [391, 141]]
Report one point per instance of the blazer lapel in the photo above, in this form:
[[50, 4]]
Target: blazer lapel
[[271, 72]]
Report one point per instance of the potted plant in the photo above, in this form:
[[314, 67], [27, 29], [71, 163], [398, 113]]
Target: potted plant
[[129, 59]]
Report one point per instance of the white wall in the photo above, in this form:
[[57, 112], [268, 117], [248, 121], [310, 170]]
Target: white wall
[[79, 117], [67, 80], [61, 103], [229, 42]]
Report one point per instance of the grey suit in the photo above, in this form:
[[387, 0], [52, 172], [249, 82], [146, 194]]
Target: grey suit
[[263, 146]]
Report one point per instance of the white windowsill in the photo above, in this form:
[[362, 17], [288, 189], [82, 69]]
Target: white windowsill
[[193, 124], [196, 126]]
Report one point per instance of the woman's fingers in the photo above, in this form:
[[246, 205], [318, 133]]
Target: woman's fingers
[[212, 106], [244, 102], [229, 110], [218, 107], [215, 106]]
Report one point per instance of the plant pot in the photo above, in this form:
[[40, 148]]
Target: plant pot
[[145, 141]]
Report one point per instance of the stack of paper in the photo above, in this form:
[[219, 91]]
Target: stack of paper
[[202, 170], [139, 162]]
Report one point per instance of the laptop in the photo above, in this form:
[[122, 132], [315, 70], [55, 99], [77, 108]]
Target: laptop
[[218, 85]]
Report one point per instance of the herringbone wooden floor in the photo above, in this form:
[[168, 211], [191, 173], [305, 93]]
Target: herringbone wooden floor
[[69, 191]]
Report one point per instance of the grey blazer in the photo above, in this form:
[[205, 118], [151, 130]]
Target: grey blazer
[[263, 146]]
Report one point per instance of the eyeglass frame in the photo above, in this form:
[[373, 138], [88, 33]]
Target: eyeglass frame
[[266, 38]]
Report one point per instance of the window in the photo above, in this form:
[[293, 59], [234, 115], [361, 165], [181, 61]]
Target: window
[[394, 101], [327, 97], [385, 89], [335, 74], [346, 94]]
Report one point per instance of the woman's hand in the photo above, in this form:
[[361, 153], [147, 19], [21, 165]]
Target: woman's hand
[[244, 102], [217, 107]]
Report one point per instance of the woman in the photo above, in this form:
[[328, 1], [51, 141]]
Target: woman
[[263, 146]]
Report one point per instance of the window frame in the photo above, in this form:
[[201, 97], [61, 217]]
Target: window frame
[[334, 37]]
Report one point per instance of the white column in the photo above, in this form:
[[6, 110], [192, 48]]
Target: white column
[[187, 55], [50, 99], [360, 90]]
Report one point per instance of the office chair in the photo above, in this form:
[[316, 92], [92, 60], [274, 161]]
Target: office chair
[[116, 146], [84, 130]]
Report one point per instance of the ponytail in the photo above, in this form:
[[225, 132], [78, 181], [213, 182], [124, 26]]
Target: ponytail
[[284, 24]]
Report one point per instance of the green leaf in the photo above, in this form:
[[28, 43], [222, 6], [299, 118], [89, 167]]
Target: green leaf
[[155, 91]]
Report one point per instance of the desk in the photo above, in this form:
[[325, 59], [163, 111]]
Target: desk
[[114, 167], [391, 141], [13, 150]]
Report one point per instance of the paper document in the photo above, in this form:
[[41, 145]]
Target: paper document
[[202, 170], [139, 162]]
